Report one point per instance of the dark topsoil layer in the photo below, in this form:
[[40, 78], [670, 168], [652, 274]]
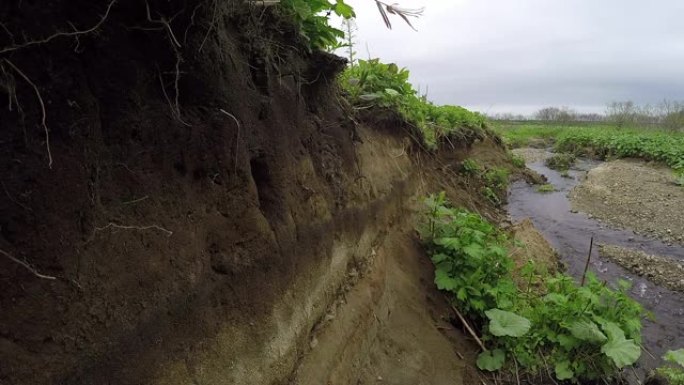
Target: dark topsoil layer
[[201, 163], [159, 223]]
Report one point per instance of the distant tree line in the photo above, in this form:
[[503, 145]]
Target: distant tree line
[[667, 114]]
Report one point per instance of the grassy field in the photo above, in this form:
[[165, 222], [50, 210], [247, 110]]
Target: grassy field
[[601, 140]]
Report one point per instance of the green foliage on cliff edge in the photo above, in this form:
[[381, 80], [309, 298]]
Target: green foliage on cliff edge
[[374, 84]]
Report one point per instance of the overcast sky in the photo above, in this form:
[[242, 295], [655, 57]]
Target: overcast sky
[[520, 55]]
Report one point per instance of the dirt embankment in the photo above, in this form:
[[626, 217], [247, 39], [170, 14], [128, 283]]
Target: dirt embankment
[[635, 195], [211, 215]]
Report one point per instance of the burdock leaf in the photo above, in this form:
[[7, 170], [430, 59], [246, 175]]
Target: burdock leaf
[[491, 360], [505, 323], [563, 370], [623, 352], [587, 331]]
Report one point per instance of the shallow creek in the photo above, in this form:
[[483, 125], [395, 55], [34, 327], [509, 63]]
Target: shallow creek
[[570, 234]]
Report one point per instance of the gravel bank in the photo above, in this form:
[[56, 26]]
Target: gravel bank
[[659, 270], [634, 195]]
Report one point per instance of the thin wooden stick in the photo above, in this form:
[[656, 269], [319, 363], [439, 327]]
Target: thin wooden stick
[[517, 376], [472, 333], [586, 266]]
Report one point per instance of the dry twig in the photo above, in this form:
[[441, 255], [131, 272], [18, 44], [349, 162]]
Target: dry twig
[[467, 326], [395, 9], [26, 266]]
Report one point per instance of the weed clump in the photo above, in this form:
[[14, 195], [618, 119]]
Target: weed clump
[[518, 161], [561, 162], [546, 188]]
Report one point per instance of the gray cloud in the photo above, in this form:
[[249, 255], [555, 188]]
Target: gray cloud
[[517, 56]]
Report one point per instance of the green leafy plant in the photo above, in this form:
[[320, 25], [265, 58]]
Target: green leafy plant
[[497, 179], [679, 175], [371, 84], [471, 167], [674, 372], [546, 188], [518, 161], [311, 18], [583, 332]]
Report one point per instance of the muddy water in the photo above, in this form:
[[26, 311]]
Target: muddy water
[[570, 234]]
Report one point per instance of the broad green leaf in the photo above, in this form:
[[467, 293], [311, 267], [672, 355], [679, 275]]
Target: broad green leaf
[[505, 323], [474, 250], [449, 242], [439, 257], [344, 10], [491, 360], [613, 331], [556, 298], [444, 281], [568, 342], [675, 356], [587, 331], [391, 92], [623, 352], [563, 370]]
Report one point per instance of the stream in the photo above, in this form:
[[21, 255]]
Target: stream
[[570, 233]]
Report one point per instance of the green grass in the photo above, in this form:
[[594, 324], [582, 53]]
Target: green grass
[[657, 145], [546, 188], [520, 135], [601, 140]]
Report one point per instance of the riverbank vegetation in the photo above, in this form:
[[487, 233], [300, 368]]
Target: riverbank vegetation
[[532, 323]]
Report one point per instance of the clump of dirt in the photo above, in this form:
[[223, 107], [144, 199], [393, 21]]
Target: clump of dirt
[[532, 246], [560, 162], [635, 195], [658, 269]]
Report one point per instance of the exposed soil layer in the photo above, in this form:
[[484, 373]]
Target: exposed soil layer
[[658, 269], [532, 247], [209, 202], [634, 195]]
